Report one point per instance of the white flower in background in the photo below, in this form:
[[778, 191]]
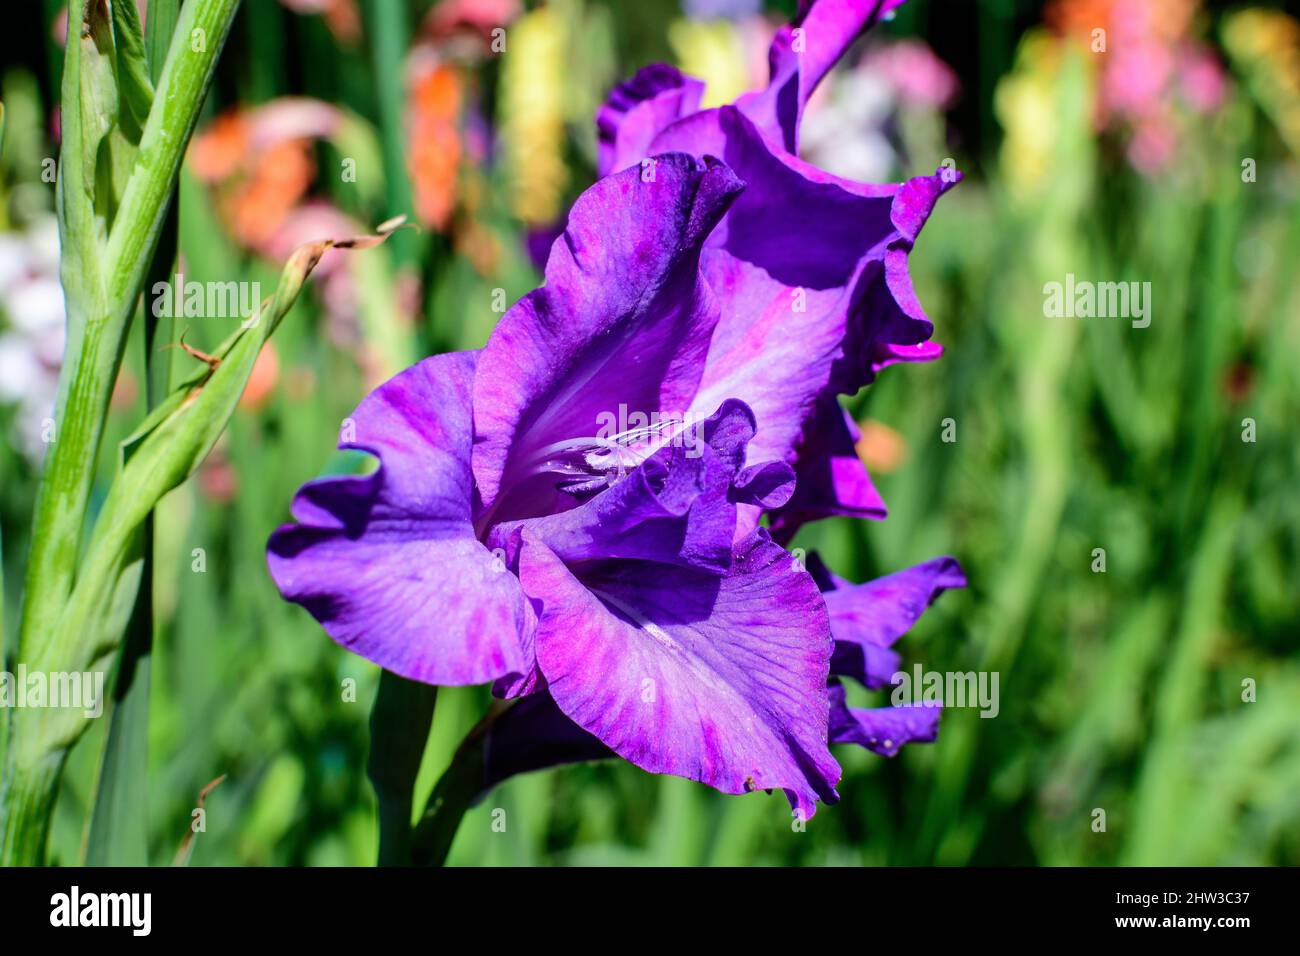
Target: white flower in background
[[849, 127], [31, 329], [844, 127]]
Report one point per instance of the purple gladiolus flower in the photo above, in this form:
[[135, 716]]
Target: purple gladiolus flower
[[811, 269], [573, 512]]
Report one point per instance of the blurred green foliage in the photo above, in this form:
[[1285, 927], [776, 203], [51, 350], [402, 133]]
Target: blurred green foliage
[[1121, 690]]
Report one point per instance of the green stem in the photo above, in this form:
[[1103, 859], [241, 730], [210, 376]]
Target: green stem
[[389, 38], [95, 341], [118, 832], [399, 728], [25, 820], [453, 795], [102, 282]]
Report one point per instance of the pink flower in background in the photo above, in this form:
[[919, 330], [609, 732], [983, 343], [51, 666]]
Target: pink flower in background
[[1153, 72], [915, 73], [481, 16]]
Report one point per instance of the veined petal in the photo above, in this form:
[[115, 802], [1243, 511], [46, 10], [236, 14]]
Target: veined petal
[[866, 619], [831, 478], [676, 507], [810, 272], [623, 321], [532, 735], [717, 679], [388, 563], [637, 109], [882, 730]]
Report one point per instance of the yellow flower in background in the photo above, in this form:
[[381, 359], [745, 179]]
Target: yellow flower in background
[[1025, 105], [1265, 47], [713, 51], [532, 115], [1046, 108]]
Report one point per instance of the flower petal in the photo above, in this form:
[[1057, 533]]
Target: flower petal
[[866, 619], [717, 679], [388, 563], [534, 734], [637, 109], [832, 480], [810, 273], [623, 320], [882, 730]]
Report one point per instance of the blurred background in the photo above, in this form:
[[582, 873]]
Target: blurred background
[[1157, 679]]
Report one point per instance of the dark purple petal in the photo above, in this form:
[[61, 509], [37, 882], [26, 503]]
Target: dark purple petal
[[717, 679], [866, 619], [810, 272], [623, 320], [534, 734], [636, 110], [832, 480], [882, 730], [676, 507], [388, 563], [769, 484]]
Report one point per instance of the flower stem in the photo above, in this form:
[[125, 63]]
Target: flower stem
[[399, 727], [102, 276], [100, 311], [456, 790], [28, 795]]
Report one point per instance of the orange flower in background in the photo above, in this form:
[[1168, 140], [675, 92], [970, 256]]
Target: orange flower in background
[[218, 151], [261, 163], [455, 37], [277, 185], [881, 448], [433, 123], [262, 380], [1166, 20]]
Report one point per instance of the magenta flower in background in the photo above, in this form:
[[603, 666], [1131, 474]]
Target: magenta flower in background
[[573, 512]]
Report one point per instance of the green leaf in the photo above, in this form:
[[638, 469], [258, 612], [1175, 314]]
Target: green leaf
[[159, 28], [97, 106], [119, 821], [157, 458], [399, 727], [101, 303], [112, 207], [133, 79]]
